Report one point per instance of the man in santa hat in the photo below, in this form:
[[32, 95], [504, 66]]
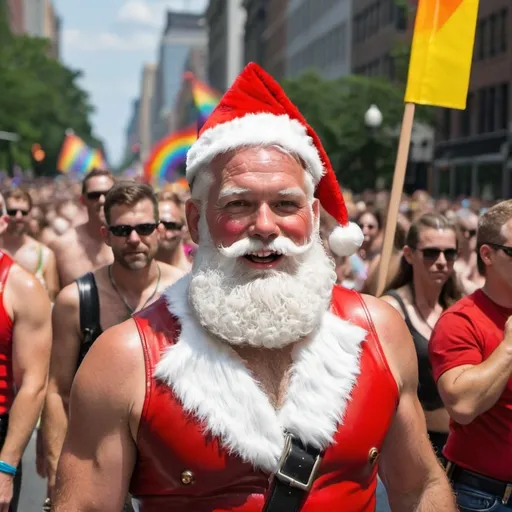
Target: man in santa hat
[[255, 384]]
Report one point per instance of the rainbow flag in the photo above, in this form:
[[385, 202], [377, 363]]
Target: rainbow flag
[[77, 157], [442, 50], [205, 99], [168, 155]]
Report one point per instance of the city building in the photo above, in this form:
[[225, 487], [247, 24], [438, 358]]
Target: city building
[[41, 20], [147, 87], [182, 32], [256, 21], [275, 38], [226, 22], [132, 131], [15, 15], [318, 35], [379, 28], [474, 146]]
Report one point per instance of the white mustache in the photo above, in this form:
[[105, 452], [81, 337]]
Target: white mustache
[[280, 245]]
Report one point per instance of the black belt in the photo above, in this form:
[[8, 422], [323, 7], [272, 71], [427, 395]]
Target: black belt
[[294, 478], [498, 488]]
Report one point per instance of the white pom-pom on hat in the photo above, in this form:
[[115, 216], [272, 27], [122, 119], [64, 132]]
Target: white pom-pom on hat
[[346, 240]]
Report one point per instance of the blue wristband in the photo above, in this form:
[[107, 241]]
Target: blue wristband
[[7, 468]]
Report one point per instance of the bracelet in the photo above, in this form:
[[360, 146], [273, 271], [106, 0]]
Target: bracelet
[[7, 468]]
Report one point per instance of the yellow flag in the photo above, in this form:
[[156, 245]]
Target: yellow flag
[[442, 51]]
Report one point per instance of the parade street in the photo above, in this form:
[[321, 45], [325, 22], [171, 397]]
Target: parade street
[[33, 487]]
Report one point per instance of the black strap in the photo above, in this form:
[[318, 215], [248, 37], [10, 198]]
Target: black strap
[[89, 303], [294, 479]]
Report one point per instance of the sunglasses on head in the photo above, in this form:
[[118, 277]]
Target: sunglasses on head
[[433, 253], [95, 195], [172, 226], [507, 250], [124, 230], [12, 212]]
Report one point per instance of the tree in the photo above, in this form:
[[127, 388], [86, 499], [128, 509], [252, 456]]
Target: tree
[[40, 98], [336, 110]]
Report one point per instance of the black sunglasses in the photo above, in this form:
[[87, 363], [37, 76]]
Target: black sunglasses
[[506, 249], [433, 253], [125, 230], [173, 226], [13, 212], [94, 196]]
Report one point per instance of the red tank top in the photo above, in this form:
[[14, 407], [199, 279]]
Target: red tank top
[[6, 377], [171, 441]]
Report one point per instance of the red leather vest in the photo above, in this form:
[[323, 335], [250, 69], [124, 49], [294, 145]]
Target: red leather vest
[[6, 325], [170, 441]]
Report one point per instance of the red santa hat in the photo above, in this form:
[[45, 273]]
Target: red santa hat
[[256, 111]]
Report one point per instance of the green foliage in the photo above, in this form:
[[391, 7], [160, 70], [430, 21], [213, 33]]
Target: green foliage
[[40, 99], [336, 110]]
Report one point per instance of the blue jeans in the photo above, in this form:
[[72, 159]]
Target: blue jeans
[[472, 500]]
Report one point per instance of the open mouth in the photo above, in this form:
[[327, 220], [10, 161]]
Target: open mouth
[[263, 257]]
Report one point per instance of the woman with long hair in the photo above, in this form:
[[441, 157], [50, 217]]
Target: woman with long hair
[[424, 287]]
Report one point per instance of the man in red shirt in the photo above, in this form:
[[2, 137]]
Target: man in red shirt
[[471, 356]]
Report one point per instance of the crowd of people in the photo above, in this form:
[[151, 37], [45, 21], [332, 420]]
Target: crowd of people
[[221, 347]]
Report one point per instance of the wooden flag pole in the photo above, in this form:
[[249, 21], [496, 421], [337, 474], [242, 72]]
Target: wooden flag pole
[[396, 195]]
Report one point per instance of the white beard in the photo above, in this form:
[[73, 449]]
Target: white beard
[[261, 308]]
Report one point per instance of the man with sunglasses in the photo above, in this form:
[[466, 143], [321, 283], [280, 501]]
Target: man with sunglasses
[[171, 250], [32, 255], [82, 249], [471, 355], [25, 341], [134, 280]]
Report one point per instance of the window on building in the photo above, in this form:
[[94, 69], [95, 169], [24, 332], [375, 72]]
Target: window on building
[[491, 109], [482, 110], [447, 124], [503, 31], [493, 35], [502, 106], [482, 40], [466, 117], [401, 17]]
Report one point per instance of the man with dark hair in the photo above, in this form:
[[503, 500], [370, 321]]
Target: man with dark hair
[[32, 255], [103, 298], [82, 249], [171, 250], [25, 341], [471, 355]]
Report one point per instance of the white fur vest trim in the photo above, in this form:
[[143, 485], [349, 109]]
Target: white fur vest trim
[[213, 384]]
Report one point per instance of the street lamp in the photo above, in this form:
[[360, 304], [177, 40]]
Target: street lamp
[[373, 117]]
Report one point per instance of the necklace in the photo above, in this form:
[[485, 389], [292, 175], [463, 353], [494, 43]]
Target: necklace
[[416, 307], [125, 302]]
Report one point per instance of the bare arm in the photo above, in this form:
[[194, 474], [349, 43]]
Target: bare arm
[[32, 339], [470, 390], [63, 363], [99, 452], [51, 276], [409, 469]]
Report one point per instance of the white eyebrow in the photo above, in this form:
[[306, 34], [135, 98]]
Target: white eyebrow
[[233, 191], [295, 191]]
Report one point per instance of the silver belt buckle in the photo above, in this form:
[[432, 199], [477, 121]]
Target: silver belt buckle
[[292, 482]]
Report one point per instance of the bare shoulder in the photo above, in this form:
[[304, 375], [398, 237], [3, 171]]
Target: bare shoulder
[[120, 344], [23, 292], [394, 302], [62, 242], [395, 339], [170, 273], [68, 300]]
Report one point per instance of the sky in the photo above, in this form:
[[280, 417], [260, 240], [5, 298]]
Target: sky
[[109, 41]]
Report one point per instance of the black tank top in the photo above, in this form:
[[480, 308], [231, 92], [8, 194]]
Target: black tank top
[[427, 389]]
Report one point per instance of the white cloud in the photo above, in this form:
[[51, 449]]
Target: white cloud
[[137, 41]]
